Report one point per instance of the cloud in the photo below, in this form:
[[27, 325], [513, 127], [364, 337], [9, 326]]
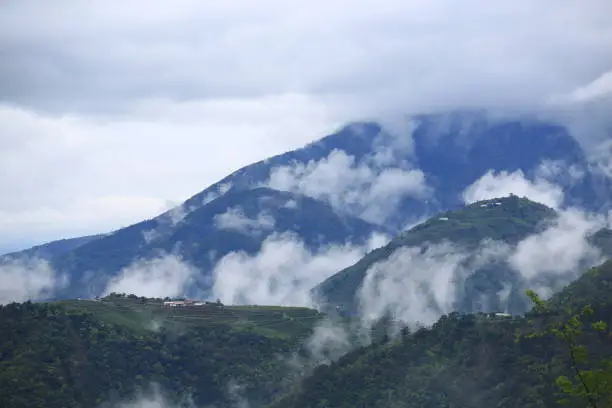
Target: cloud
[[363, 188], [413, 285], [27, 279], [70, 175], [166, 275], [176, 214], [328, 342], [145, 104], [283, 272], [492, 185], [560, 253], [103, 60], [153, 397], [235, 219], [599, 88]]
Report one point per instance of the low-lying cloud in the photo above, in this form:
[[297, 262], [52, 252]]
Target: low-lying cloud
[[167, 275], [283, 272], [362, 188], [493, 185], [414, 286], [552, 258], [27, 279], [235, 219]]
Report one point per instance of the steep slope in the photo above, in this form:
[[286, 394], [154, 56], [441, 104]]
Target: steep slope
[[476, 232], [457, 148], [237, 221], [52, 249], [453, 150], [85, 353], [470, 361]]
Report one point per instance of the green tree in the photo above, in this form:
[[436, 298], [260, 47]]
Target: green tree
[[592, 384]]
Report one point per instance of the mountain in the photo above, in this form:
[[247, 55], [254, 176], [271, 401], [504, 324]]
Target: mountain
[[366, 177], [98, 353], [52, 249], [474, 243], [452, 150], [239, 220], [470, 361], [457, 148]]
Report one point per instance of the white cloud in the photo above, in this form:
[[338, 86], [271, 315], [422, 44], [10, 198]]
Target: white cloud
[[164, 276], [360, 188], [492, 185], [561, 252], [154, 397], [599, 88], [72, 175], [282, 273], [414, 286], [552, 170], [175, 214], [143, 103], [104, 60], [235, 219], [27, 279], [328, 342]]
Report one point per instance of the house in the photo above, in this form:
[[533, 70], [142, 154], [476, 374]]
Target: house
[[175, 303]]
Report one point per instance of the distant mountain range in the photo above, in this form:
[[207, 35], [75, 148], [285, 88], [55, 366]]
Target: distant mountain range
[[363, 179]]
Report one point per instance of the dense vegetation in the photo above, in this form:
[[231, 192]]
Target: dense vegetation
[[84, 353], [479, 360], [87, 353]]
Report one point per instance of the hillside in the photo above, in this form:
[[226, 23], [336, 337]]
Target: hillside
[[484, 224], [468, 361], [52, 249], [452, 149], [236, 221], [84, 353], [99, 353]]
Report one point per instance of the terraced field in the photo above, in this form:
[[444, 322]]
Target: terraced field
[[142, 314]]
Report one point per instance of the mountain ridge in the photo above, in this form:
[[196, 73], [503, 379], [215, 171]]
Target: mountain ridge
[[487, 223]]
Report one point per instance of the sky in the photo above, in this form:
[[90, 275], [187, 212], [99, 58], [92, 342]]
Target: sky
[[109, 115]]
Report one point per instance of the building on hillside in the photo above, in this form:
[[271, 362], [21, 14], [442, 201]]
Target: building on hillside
[[190, 303]]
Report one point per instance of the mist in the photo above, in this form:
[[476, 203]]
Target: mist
[[28, 279]]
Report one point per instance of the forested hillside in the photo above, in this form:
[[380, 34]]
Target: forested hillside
[[478, 360], [85, 353], [99, 353]]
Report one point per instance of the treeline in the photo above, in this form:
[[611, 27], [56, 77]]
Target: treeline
[[50, 357]]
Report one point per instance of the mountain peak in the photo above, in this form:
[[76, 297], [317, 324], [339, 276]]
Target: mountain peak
[[507, 220]]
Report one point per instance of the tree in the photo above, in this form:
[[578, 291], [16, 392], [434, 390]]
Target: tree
[[593, 385]]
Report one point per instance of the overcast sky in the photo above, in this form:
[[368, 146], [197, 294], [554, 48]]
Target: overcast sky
[[111, 113]]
